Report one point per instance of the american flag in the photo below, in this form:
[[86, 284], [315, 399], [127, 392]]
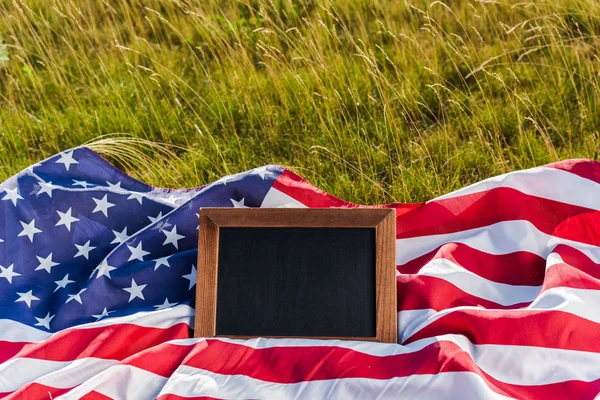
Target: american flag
[[498, 291]]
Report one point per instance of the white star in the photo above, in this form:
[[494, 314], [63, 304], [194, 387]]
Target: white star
[[104, 314], [61, 284], [67, 159], [162, 261], [46, 263], [45, 322], [239, 204], [120, 237], [66, 219], [164, 305], [225, 179], [198, 224], [135, 290], [83, 184], [137, 196], [172, 200], [172, 237], [262, 172], [114, 186], [12, 195], [76, 296], [84, 250], [102, 205], [137, 253], [8, 273], [27, 298], [29, 230], [46, 188], [104, 269], [154, 219], [191, 277]]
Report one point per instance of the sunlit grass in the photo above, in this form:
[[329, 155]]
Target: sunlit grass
[[374, 101]]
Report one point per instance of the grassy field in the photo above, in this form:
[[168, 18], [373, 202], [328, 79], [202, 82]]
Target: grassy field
[[372, 100]]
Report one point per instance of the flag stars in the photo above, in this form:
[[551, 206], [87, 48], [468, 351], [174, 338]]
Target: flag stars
[[104, 269], [172, 237], [191, 277], [8, 273], [61, 284], [173, 200], [12, 195], [27, 298], [46, 263], [102, 205], [45, 322], [162, 261], [239, 204], [67, 159], [114, 186], [137, 253], [120, 237], [164, 305], [83, 184], [66, 219], [29, 230], [262, 172], [135, 290], [46, 188], [84, 250], [136, 196], [103, 314], [154, 219], [76, 296]]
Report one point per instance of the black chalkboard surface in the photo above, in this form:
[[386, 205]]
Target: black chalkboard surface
[[317, 273], [296, 281]]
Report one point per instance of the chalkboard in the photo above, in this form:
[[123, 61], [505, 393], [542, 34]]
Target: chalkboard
[[321, 273]]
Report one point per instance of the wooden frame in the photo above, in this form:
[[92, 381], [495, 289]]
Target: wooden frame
[[382, 219]]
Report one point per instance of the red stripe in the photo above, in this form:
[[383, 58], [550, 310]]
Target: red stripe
[[419, 292], [565, 275], [35, 391], [72, 344], [170, 356], [481, 209], [588, 169], [313, 197], [288, 365], [551, 329], [579, 260], [519, 268], [466, 212]]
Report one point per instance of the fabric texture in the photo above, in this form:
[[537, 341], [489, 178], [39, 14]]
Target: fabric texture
[[498, 291]]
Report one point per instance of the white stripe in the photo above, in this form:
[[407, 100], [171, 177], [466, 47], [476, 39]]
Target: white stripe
[[500, 238], [13, 331], [125, 382], [478, 286], [59, 374], [584, 303], [278, 199], [371, 348], [518, 365], [549, 183], [121, 382], [411, 321]]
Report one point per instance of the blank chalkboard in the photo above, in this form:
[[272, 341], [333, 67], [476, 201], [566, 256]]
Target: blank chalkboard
[[322, 273]]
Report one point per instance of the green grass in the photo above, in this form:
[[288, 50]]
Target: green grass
[[374, 101]]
